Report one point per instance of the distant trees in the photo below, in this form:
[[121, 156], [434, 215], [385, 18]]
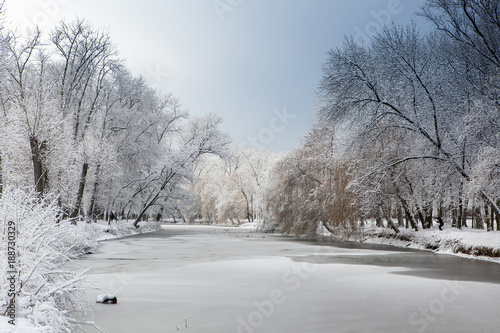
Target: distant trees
[[76, 123], [309, 190], [407, 130], [230, 189]]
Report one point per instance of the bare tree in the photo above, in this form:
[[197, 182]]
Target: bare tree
[[87, 59], [399, 84]]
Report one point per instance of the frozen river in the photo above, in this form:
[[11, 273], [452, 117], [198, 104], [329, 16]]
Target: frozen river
[[229, 280]]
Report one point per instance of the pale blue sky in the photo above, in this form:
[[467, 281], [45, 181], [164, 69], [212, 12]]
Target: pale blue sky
[[257, 63]]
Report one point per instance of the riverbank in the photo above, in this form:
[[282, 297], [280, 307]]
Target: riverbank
[[82, 238], [102, 230], [476, 244]]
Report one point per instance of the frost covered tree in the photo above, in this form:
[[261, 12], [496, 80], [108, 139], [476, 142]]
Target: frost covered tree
[[26, 103], [199, 137], [85, 59], [415, 124], [231, 189], [400, 84], [472, 31], [47, 291], [82, 127], [308, 189]]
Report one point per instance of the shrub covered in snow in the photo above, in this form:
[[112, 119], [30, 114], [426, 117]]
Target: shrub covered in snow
[[46, 291]]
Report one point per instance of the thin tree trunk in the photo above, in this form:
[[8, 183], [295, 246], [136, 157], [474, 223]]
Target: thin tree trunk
[[94, 190], [81, 189], [487, 219], [378, 221], [390, 222], [454, 221], [1, 177], [497, 216], [427, 216], [409, 215], [401, 222], [39, 174], [249, 214], [460, 211]]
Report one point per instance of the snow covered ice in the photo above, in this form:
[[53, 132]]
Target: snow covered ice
[[222, 281]]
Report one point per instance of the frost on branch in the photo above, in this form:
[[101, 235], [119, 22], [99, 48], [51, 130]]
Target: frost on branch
[[47, 291]]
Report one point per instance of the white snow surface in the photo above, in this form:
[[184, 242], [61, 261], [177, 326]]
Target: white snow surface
[[101, 230], [222, 279], [104, 297], [22, 326], [86, 237], [448, 241]]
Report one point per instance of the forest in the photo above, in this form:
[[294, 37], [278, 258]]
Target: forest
[[406, 133], [407, 130]]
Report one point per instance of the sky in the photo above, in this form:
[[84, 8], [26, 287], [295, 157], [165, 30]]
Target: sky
[[255, 63]]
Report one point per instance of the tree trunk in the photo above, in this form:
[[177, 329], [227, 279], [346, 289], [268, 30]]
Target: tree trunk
[[40, 175], [427, 216], [138, 218], [94, 191], [409, 215], [1, 177], [378, 221], [421, 217], [401, 222], [249, 214], [497, 216], [252, 208], [487, 219], [460, 211], [464, 213], [153, 200], [478, 218], [390, 222], [81, 189]]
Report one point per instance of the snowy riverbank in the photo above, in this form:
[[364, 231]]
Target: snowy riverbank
[[82, 238], [476, 244], [101, 230]]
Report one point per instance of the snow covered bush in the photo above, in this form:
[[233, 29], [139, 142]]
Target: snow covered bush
[[47, 291]]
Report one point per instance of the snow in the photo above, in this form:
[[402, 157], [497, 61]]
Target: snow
[[102, 298], [251, 225], [463, 242], [22, 326], [101, 230], [38, 260], [220, 280]]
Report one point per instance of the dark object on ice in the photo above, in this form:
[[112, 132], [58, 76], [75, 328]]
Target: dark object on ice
[[107, 299], [441, 223]]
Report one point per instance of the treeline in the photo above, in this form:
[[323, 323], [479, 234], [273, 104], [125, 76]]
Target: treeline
[[408, 131], [78, 125]]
